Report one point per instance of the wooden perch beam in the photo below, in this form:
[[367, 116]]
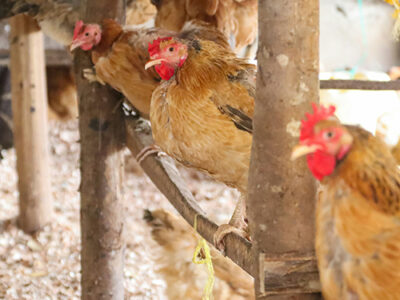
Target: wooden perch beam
[[29, 105], [164, 174]]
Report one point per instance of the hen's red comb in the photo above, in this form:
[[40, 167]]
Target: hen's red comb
[[155, 46], [78, 27], [320, 113]]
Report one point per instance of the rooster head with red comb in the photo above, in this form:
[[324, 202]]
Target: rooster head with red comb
[[323, 140], [86, 36], [167, 55]]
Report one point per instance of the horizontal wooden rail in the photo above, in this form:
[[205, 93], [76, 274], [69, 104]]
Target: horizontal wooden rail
[[54, 57], [359, 85], [164, 174]]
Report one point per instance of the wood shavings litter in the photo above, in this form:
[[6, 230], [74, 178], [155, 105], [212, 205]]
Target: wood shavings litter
[[47, 265]]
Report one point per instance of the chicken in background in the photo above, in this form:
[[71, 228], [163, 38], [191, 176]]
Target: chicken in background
[[57, 18], [358, 210], [373, 104], [185, 280], [380, 109], [61, 93], [237, 19], [120, 54], [6, 125], [201, 114], [139, 12]]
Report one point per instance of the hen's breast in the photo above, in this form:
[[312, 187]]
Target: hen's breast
[[191, 129], [358, 247]]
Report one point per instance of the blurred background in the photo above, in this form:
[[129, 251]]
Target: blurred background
[[356, 42]]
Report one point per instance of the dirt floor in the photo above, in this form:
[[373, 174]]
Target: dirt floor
[[46, 265]]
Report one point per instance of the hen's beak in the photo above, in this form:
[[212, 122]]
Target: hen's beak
[[301, 150], [75, 44], [154, 62]]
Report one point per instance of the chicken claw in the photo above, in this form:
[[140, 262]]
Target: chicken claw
[[90, 75], [129, 109], [225, 229], [237, 224], [147, 151]]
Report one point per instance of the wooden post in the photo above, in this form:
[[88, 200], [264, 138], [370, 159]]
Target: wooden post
[[282, 193], [101, 127], [29, 105]]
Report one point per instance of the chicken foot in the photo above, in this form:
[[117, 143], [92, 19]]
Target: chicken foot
[[237, 224], [90, 75], [147, 151]]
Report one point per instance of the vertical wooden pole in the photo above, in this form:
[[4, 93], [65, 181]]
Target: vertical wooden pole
[[29, 105], [282, 193], [101, 128]]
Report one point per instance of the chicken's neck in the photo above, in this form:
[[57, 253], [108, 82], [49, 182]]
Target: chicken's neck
[[370, 169], [111, 31]]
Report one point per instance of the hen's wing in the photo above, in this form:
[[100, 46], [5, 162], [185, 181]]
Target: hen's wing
[[235, 97]]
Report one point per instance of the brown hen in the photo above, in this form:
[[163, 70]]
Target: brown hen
[[186, 280], [201, 114], [358, 210]]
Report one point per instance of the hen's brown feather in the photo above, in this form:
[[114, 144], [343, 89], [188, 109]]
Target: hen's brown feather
[[358, 224], [232, 17], [396, 152], [185, 280], [139, 12]]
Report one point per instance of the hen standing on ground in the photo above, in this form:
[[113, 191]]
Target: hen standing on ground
[[120, 54], [201, 113], [358, 210], [186, 280]]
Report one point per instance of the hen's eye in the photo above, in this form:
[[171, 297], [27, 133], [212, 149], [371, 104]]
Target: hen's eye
[[171, 49], [87, 33], [329, 134], [95, 33]]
